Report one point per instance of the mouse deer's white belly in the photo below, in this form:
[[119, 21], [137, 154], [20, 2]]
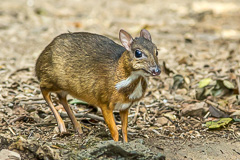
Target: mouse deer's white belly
[[122, 106]]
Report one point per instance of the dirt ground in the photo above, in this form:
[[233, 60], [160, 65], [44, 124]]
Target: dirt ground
[[197, 39]]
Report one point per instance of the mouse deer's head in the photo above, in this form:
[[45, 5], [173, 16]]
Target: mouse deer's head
[[142, 51]]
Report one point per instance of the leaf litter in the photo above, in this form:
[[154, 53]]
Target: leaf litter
[[199, 50]]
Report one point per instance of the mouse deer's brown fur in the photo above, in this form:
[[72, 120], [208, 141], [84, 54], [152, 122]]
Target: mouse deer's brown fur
[[95, 69]]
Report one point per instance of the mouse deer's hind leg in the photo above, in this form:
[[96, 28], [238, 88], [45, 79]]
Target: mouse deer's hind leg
[[63, 100], [61, 125]]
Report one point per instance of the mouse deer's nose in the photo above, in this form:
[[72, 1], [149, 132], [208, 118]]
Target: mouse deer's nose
[[155, 71]]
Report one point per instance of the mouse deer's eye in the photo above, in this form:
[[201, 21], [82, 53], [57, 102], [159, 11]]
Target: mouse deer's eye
[[138, 54], [156, 53]]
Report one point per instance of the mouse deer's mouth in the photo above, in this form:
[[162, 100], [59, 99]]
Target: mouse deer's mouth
[[155, 71], [147, 72], [152, 71]]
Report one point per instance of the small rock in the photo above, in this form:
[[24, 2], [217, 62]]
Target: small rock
[[178, 97], [118, 150], [56, 130], [236, 113], [170, 115], [143, 109], [165, 101], [182, 91], [162, 121], [31, 108], [6, 154], [9, 111], [4, 94], [10, 105], [197, 109]]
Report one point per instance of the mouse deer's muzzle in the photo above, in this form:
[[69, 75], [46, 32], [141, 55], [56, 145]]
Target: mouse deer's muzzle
[[155, 71]]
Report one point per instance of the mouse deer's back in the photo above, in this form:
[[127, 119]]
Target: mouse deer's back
[[81, 64]]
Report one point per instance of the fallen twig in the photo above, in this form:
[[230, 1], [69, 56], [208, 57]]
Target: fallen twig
[[42, 124], [216, 105], [155, 131], [32, 99], [212, 103], [152, 105], [12, 72], [83, 115], [34, 102], [16, 119], [136, 114], [206, 115], [10, 129]]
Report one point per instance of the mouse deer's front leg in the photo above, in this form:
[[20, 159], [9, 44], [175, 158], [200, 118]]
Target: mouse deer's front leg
[[124, 120], [109, 119]]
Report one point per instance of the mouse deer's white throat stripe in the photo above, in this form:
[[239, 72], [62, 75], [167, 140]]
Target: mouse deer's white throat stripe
[[134, 75], [126, 82], [137, 93]]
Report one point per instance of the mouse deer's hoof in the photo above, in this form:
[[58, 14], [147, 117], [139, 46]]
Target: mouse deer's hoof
[[79, 130], [64, 134], [62, 128]]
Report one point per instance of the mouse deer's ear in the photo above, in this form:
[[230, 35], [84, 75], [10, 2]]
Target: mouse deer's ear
[[145, 34], [126, 39]]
